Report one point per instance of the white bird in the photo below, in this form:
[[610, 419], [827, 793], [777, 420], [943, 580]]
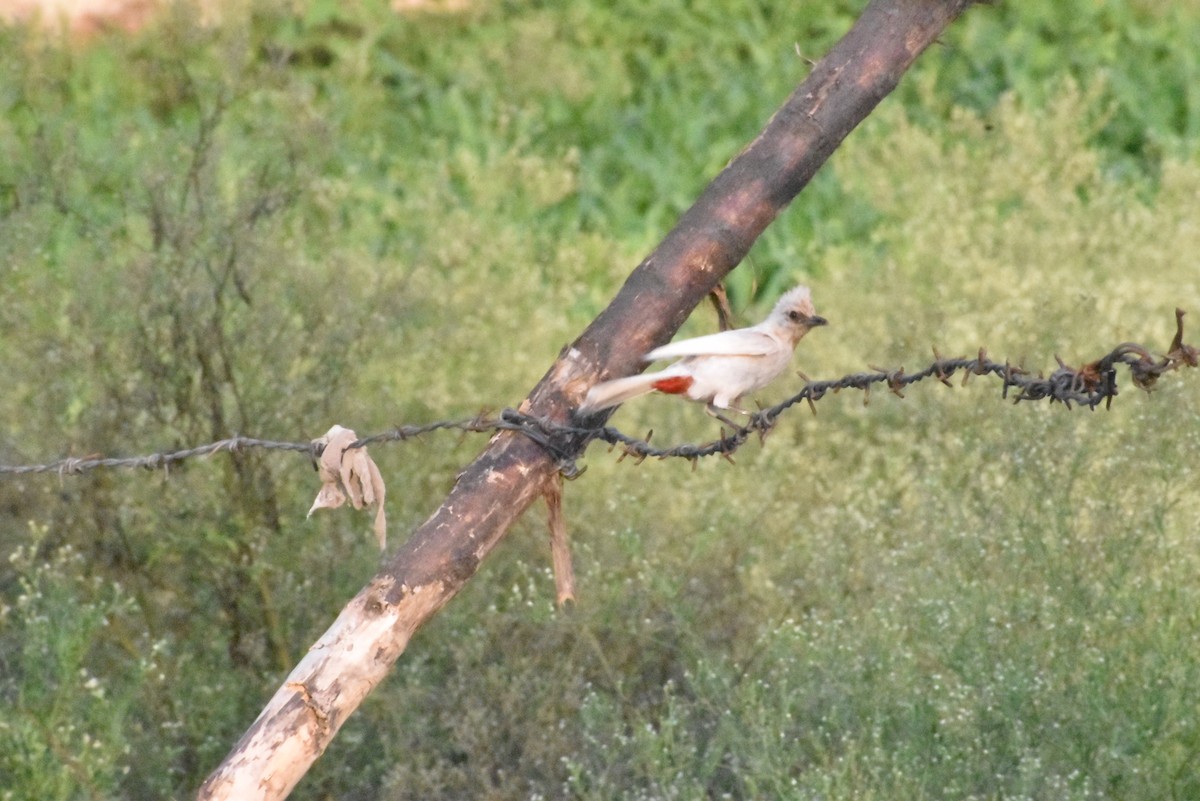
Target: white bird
[[719, 369]]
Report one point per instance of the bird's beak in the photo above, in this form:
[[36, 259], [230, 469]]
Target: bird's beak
[[815, 320]]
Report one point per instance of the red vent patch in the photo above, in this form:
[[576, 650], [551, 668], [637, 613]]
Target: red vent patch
[[673, 385]]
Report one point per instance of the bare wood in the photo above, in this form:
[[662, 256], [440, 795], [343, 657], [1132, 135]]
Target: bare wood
[[709, 240]]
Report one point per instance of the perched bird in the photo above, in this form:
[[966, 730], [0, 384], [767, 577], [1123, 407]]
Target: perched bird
[[718, 369]]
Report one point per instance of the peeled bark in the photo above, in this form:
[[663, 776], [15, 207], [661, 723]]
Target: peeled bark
[[709, 240]]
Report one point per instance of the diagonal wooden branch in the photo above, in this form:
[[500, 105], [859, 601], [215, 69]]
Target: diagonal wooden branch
[[709, 240]]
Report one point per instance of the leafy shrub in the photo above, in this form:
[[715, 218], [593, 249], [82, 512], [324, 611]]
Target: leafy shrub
[[342, 215]]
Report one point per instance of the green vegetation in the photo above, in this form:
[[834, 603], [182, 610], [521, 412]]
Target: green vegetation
[[341, 215]]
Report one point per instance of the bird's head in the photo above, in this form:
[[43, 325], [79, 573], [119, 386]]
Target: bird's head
[[795, 312]]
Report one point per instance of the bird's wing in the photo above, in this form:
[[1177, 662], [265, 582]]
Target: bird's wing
[[741, 342]]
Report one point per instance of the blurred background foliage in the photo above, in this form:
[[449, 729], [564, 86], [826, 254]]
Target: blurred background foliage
[[327, 212]]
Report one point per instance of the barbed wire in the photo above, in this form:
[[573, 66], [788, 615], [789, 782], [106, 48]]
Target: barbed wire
[[1089, 386], [80, 464]]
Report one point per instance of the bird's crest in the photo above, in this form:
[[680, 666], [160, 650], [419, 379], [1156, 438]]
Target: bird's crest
[[799, 299]]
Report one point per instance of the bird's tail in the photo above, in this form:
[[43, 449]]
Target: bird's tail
[[608, 394]]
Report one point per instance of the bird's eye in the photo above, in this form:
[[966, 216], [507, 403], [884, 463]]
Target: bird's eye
[[794, 316]]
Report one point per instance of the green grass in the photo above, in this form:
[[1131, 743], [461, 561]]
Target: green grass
[[339, 215]]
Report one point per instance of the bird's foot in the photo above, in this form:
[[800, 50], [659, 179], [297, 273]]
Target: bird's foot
[[713, 411]]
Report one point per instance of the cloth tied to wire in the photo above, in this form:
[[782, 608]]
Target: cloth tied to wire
[[349, 472]]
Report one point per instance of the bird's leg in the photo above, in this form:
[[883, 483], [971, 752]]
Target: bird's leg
[[714, 412]]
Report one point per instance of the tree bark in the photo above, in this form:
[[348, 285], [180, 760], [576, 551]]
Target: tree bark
[[710, 239]]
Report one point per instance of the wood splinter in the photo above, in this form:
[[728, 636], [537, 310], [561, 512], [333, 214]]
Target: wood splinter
[[560, 550]]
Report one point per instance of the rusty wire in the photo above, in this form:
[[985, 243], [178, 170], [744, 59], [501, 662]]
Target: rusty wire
[[1089, 385]]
